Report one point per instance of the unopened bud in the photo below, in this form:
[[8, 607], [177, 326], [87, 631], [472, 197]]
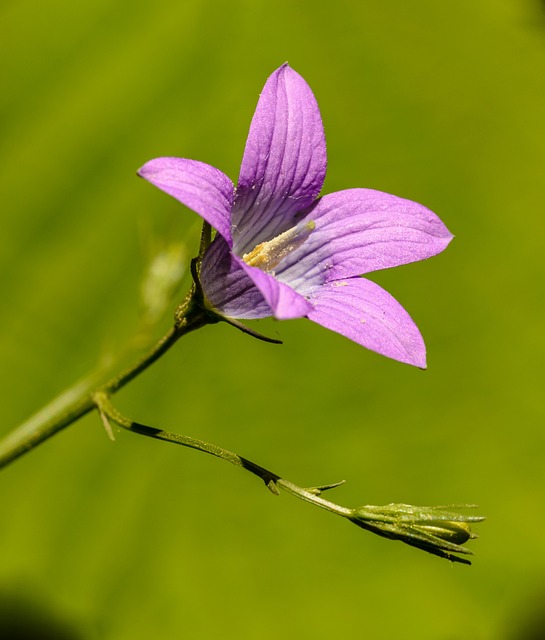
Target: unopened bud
[[456, 532], [437, 530]]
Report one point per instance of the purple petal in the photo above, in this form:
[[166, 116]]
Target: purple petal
[[285, 303], [362, 311], [227, 287], [359, 231], [284, 163], [203, 188]]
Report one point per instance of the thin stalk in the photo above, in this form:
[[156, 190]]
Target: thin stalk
[[272, 480], [436, 530], [309, 496]]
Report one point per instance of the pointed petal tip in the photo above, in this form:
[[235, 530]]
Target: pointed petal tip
[[288, 71], [443, 233], [362, 311], [284, 162], [447, 235], [283, 67], [415, 358], [441, 242], [141, 173], [197, 185], [421, 364]]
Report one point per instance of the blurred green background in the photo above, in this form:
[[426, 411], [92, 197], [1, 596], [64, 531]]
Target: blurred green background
[[439, 102]]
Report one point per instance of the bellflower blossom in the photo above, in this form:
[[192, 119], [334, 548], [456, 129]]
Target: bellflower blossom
[[282, 251]]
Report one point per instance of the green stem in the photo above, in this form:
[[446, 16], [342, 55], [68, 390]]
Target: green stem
[[61, 412], [272, 480], [78, 400], [437, 530], [309, 496], [159, 349]]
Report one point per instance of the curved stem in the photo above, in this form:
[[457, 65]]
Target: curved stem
[[437, 530], [159, 349], [272, 480], [78, 400], [61, 412], [108, 412]]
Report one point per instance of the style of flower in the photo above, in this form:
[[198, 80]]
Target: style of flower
[[280, 250]]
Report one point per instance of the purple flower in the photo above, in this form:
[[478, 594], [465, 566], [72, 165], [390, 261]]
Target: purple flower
[[282, 251]]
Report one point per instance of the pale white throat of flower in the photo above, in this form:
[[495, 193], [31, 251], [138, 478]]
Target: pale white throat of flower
[[267, 255]]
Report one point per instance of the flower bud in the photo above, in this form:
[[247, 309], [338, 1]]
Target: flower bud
[[437, 530], [455, 532]]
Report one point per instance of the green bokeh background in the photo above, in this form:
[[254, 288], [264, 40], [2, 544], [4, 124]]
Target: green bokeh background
[[440, 102]]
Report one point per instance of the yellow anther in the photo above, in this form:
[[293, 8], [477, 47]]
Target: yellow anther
[[267, 255]]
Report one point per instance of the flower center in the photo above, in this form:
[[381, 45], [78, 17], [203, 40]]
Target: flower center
[[267, 255]]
